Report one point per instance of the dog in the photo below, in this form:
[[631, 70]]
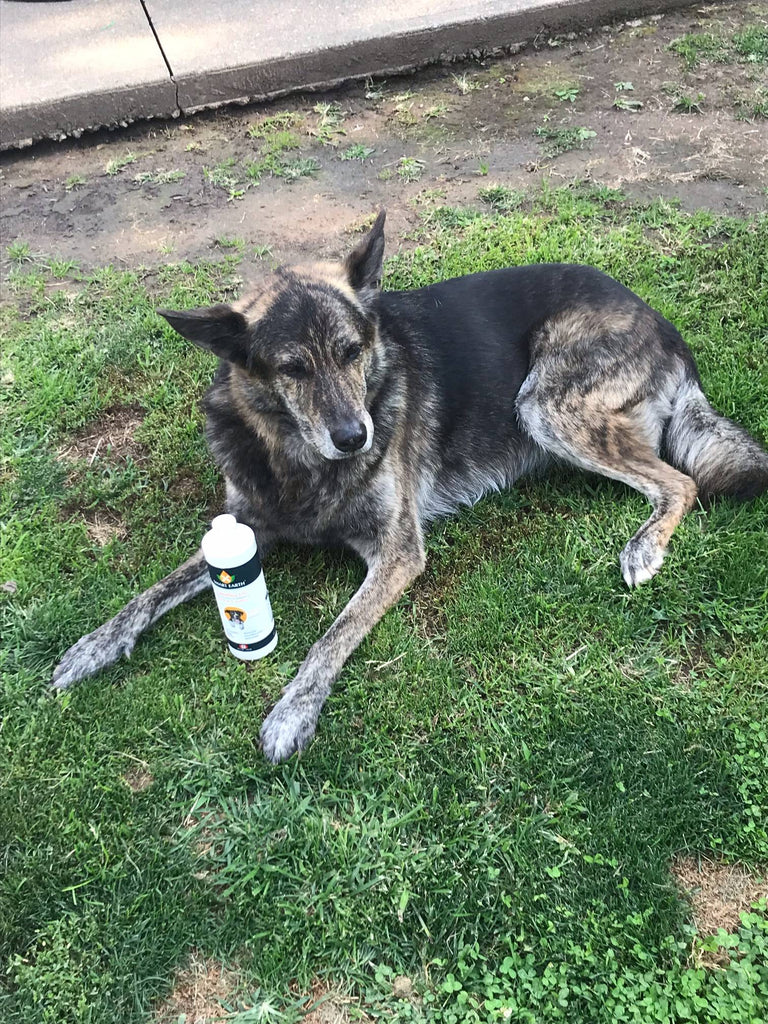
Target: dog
[[341, 414]]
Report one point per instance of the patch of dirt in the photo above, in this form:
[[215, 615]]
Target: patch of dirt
[[138, 778], [103, 526], [717, 892], [329, 1007], [198, 993], [179, 189], [112, 433]]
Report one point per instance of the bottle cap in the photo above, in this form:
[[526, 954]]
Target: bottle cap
[[223, 521], [228, 543]]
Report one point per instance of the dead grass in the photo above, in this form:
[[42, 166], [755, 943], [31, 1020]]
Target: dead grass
[[198, 992], [138, 778], [112, 432], [103, 526], [717, 892], [328, 1006]]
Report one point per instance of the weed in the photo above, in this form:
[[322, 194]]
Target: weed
[[409, 168], [225, 242], [562, 139], [403, 114], [755, 107], [465, 84], [19, 252], [567, 93], [226, 177], [262, 252], [255, 170], [118, 163], [223, 175], [158, 177], [436, 110], [357, 152], [622, 102], [482, 168], [268, 126], [74, 181], [696, 47], [625, 103], [292, 170], [330, 119], [685, 104], [374, 90], [752, 44], [61, 268], [281, 142], [360, 225]]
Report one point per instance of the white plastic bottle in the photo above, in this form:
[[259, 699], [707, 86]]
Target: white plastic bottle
[[241, 593]]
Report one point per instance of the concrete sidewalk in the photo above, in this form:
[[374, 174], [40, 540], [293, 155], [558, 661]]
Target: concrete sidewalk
[[67, 67]]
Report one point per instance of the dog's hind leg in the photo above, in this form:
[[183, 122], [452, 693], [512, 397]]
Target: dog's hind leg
[[587, 432], [117, 637]]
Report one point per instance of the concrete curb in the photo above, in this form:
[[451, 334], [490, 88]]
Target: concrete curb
[[250, 70]]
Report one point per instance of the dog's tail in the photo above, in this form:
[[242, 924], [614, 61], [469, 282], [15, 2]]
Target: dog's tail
[[719, 454]]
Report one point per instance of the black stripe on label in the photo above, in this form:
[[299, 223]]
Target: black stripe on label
[[235, 579], [253, 647]]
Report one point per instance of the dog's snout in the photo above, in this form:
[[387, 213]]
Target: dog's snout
[[350, 435]]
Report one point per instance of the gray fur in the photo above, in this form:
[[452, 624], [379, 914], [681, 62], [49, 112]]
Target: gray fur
[[461, 388]]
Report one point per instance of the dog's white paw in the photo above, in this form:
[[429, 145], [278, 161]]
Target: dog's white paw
[[288, 728], [640, 560]]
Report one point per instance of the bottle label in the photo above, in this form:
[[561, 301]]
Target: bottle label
[[246, 614], [236, 579]]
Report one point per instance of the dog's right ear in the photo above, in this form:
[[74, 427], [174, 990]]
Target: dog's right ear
[[220, 329]]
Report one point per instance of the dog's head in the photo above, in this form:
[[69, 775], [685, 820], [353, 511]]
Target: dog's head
[[305, 346]]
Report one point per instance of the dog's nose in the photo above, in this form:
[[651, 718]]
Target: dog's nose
[[349, 436]]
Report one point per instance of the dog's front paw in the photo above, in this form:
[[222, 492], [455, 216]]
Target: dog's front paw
[[90, 654], [640, 560], [287, 729]]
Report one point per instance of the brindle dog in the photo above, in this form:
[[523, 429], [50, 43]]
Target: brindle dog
[[341, 414]]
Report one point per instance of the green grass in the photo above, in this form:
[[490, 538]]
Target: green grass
[[748, 46], [509, 761], [752, 44], [501, 198], [696, 47]]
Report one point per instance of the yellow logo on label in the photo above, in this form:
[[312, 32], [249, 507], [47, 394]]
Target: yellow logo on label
[[225, 577]]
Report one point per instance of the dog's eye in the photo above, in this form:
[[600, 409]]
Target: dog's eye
[[352, 353], [295, 369]]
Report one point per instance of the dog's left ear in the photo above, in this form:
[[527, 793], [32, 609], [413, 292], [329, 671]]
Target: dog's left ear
[[364, 263]]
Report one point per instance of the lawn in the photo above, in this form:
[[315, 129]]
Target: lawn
[[507, 766]]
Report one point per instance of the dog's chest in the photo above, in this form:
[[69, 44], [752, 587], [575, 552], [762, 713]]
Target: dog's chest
[[326, 507]]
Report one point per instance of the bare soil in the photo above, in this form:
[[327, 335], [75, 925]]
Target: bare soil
[[111, 434], [198, 994], [718, 893], [468, 125]]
